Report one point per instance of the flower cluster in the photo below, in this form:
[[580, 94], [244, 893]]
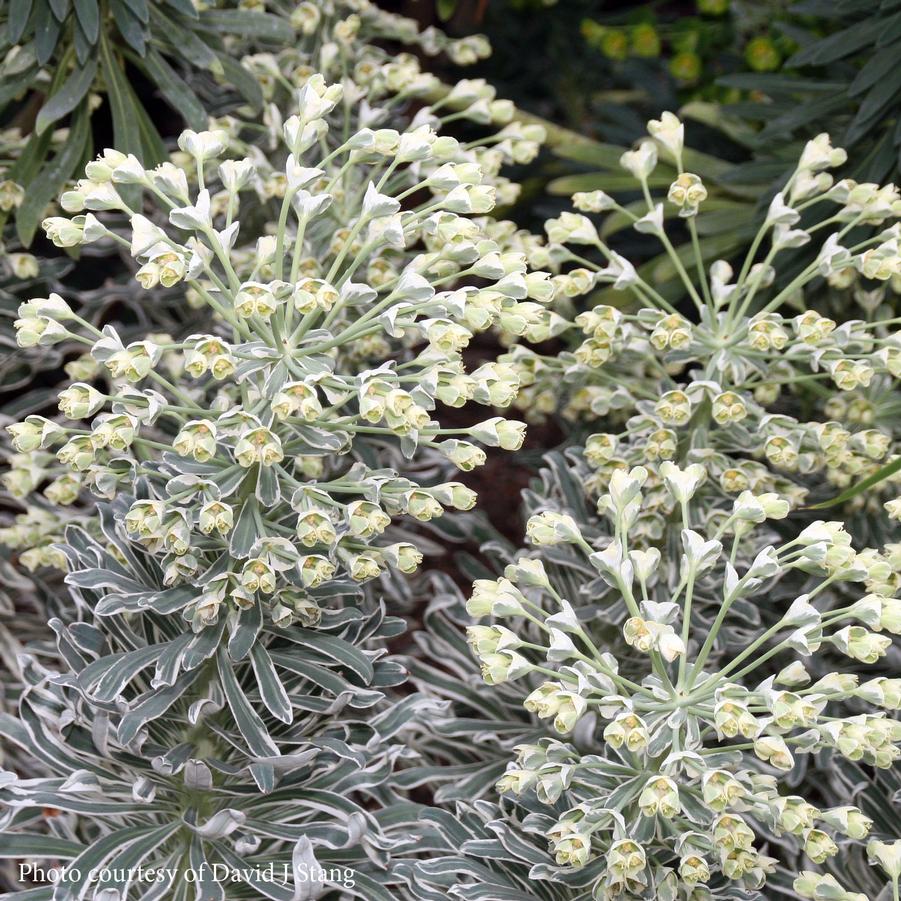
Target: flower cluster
[[694, 739], [684, 653], [343, 41], [346, 325], [730, 378], [189, 53], [338, 38]]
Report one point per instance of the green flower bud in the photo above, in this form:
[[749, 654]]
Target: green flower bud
[[762, 55], [402, 556], [63, 490], [77, 452], [259, 446], [257, 575], [685, 67], [216, 516], [314, 570], [645, 41], [422, 505]]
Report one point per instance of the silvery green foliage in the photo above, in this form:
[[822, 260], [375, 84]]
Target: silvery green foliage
[[484, 852], [693, 748], [165, 747], [733, 383], [24, 606]]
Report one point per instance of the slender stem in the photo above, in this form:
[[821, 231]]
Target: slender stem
[[674, 256], [699, 263], [686, 624]]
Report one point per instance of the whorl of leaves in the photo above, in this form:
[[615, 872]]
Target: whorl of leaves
[[165, 747]]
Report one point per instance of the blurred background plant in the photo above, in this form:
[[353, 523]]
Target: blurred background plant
[[604, 67]]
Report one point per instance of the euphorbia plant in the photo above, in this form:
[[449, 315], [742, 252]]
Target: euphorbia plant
[[309, 361], [248, 479], [639, 629]]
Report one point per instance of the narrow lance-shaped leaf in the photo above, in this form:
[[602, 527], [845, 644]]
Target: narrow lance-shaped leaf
[[68, 97], [271, 689], [881, 474], [246, 718]]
